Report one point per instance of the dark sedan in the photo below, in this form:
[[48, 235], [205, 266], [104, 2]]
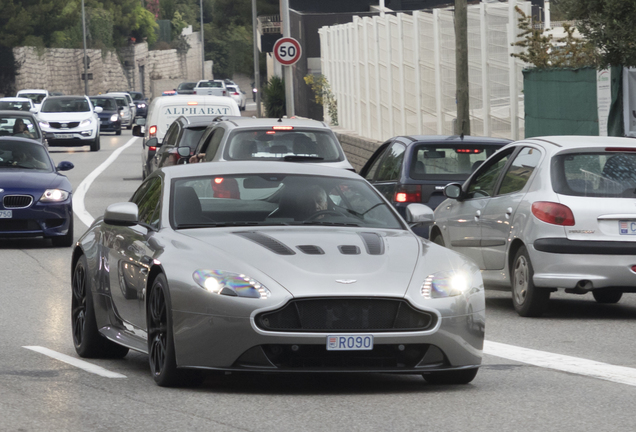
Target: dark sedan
[[35, 199], [408, 169], [141, 102], [183, 132], [109, 118], [186, 88]]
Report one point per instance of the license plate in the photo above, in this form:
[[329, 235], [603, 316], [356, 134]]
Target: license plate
[[63, 136], [345, 342], [627, 227], [6, 214]]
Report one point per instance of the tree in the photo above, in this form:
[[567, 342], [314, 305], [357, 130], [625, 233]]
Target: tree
[[608, 25]]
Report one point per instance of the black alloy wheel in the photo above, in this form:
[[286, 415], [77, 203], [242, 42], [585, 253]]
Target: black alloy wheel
[[463, 376], [87, 340]]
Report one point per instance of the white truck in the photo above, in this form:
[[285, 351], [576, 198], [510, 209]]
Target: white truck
[[211, 88]]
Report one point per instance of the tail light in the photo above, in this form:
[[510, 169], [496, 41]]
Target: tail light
[[235, 94], [194, 92], [553, 213], [152, 131], [224, 93], [408, 194]]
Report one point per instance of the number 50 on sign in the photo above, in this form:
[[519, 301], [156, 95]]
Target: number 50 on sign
[[287, 51]]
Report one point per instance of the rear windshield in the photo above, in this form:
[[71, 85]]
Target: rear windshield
[[268, 144], [187, 86], [216, 84], [448, 161], [602, 174], [65, 105]]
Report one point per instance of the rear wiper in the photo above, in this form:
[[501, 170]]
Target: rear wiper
[[297, 158]]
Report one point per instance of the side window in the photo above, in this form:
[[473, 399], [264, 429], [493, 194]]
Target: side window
[[520, 170], [171, 135], [140, 192], [391, 165], [150, 204], [217, 136], [374, 166], [483, 185]]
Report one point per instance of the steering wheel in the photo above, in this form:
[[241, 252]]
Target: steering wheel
[[323, 212]]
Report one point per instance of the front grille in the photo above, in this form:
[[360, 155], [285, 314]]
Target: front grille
[[17, 201], [346, 315], [7, 225], [69, 125]]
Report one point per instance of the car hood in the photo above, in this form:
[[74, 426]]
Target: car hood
[[16, 179], [60, 117], [317, 261]]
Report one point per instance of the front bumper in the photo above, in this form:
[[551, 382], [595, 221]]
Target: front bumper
[[232, 343], [562, 263], [110, 126], [38, 220], [71, 137]]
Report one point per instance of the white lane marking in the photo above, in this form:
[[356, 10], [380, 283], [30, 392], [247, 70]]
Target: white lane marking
[[88, 367], [80, 192], [575, 365]]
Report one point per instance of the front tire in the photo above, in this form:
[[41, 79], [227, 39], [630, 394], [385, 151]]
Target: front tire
[[87, 340], [95, 144], [463, 376], [607, 296], [118, 132], [528, 300]]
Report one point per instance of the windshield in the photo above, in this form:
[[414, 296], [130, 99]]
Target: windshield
[[598, 174], [186, 86], [23, 155], [37, 98], [269, 144], [15, 106], [18, 126], [121, 101], [448, 161], [108, 104], [278, 199], [65, 105], [136, 96]]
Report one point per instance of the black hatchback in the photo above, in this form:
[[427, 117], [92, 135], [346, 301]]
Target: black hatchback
[[408, 169]]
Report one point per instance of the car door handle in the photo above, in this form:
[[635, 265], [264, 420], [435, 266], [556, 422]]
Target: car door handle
[[508, 212], [477, 215]]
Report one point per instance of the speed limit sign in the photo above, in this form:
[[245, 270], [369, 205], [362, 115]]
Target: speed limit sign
[[287, 51]]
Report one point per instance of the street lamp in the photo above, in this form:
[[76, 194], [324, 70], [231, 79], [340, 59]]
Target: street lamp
[[85, 57], [257, 74]]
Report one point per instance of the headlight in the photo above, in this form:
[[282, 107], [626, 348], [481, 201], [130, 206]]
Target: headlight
[[85, 122], [230, 284], [142, 105], [54, 195], [114, 117], [44, 124], [445, 284]]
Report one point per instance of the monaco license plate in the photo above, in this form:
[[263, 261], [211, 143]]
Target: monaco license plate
[[63, 136], [345, 342], [6, 214], [627, 227]]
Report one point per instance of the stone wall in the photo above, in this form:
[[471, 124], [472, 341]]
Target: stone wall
[[357, 149]]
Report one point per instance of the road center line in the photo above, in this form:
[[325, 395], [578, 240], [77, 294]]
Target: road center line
[[575, 365], [88, 367], [82, 189]]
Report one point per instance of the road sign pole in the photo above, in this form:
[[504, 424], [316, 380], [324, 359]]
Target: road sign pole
[[257, 72], [289, 77]]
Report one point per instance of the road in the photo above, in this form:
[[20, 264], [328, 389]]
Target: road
[[525, 393]]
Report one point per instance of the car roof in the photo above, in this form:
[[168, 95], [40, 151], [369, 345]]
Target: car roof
[[253, 167], [67, 97], [452, 139], [577, 141], [33, 91], [196, 121], [271, 122], [107, 96], [15, 99], [16, 112]]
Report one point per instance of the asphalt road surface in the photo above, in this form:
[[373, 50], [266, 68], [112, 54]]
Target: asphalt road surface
[[572, 370]]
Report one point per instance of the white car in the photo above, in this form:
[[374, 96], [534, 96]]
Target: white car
[[70, 121], [547, 214], [129, 106], [36, 95], [17, 104], [238, 95]]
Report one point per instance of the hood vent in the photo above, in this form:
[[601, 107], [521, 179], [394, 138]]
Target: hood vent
[[373, 243], [349, 250], [311, 249], [267, 242]]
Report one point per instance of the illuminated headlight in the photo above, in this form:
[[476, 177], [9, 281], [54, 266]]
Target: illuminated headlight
[[44, 124], [142, 105], [85, 122], [445, 284], [230, 284], [114, 117], [54, 195]]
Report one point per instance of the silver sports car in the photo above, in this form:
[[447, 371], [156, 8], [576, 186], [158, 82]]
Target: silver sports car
[[273, 266]]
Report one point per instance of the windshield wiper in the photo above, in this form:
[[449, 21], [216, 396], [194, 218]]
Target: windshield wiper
[[298, 158], [316, 222], [224, 224]]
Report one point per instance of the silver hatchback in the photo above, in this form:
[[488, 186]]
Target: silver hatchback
[[545, 214]]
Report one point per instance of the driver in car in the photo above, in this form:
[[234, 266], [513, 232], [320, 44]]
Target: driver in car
[[24, 159]]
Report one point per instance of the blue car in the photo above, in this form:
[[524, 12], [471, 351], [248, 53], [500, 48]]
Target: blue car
[[35, 199], [109, 118]]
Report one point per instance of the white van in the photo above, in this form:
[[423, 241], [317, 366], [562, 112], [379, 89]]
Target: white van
[[165, 109]]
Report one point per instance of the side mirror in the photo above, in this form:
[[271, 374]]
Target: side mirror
[[419, 214], [140, 121], [137, 131], [454, 191], [132, 105], [184, 151], [34, 110], [98, 109], [122, 214], [65, 166], [121, 108], [153, 142]]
